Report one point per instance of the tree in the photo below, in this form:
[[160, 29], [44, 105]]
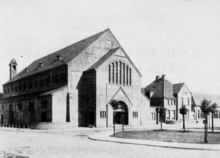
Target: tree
[[212, 110], [114, 104], [206, 110], [183, 110]]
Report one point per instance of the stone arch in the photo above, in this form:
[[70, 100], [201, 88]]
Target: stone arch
[[125, 105]]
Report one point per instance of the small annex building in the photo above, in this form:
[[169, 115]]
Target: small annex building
[[197, 99], [73, 87]]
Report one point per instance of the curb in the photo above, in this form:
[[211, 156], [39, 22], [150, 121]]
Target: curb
[[105, 136]]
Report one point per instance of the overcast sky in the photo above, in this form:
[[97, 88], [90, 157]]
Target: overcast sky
[[179, 38]]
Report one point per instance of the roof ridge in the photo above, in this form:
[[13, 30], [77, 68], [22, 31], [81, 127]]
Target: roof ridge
[[69, 53], [72, 44]]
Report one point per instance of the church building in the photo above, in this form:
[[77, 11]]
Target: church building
[[74, 87]]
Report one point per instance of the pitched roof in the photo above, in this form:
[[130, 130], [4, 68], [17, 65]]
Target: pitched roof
[[109, 54], [157, 88], [177, 87], [198, 97], [103, 58], [51, 60]]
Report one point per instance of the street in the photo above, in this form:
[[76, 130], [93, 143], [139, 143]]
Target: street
[[76, 144]]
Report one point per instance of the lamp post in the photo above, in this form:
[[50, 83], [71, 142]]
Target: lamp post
[[114, 122], [122, 121]]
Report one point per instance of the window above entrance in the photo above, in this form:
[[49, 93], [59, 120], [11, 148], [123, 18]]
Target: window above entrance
[[119, 73]]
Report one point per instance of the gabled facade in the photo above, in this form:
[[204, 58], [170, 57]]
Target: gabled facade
[[163, 93], [160, 93], [196, 102], [183, 97], [73, 87]]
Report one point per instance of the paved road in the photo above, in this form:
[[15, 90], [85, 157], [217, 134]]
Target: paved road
[[77, 145]]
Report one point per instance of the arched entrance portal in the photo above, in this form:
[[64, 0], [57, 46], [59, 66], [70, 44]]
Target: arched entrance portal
[[118, 117]]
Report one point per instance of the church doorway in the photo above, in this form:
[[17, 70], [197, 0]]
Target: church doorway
[[120, 112]]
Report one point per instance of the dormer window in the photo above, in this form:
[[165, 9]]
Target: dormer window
[[26, 70], [41, 64], [59, 57]]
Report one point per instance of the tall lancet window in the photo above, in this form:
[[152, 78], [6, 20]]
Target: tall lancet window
[[116, 72], [109, 73], [119, 73], [130, 76], [127, 75], [113, 72], [124, 73], [120, 67]]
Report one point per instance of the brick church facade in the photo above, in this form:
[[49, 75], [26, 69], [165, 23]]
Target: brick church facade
[[74, 87]]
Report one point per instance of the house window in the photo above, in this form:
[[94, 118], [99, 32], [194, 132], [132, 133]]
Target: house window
[[202, 115], [168, 102], [188, 101], [184, 93], [198, 113], [153, 116], [102, 114], [173, 114], [135, 114], [216, 114], [182, 101], [168, 114]]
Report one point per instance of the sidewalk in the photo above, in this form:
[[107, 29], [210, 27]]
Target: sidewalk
[[106, 136]]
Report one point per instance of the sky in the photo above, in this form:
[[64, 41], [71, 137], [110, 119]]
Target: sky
[[178, 38]]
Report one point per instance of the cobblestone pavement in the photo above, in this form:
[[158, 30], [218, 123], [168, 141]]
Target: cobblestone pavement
[[77, 145]]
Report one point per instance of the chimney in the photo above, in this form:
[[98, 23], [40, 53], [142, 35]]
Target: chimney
[[163, 77], [13, 68], [157, 78]]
